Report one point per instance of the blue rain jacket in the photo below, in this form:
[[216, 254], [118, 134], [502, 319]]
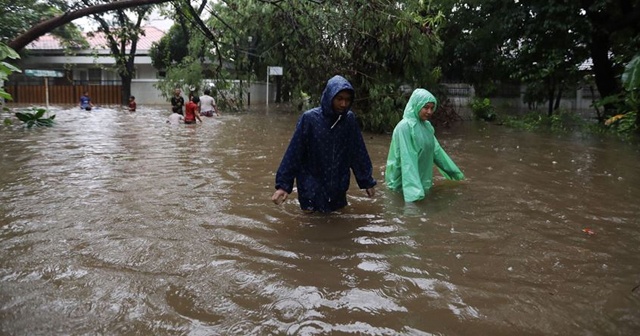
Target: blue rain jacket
[[324, 148], [413, 151]]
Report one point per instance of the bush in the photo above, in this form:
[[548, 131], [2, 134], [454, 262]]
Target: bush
[[483, 109], [561, 121]]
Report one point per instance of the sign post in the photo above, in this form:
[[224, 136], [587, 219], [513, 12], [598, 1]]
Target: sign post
[[272, 71], [46, 74]]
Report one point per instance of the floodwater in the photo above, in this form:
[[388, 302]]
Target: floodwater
[[117, 223]]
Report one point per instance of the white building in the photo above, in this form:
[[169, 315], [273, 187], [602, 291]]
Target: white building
[[91, 69]]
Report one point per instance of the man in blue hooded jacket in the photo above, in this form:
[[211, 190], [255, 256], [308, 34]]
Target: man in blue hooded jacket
[[326, 145]]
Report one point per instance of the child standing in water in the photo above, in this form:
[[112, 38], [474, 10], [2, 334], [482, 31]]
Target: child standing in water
[[132, 104]]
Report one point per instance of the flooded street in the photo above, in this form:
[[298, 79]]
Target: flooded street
[[117, 223]]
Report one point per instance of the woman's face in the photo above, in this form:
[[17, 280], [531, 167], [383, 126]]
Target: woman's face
[[426, 111]]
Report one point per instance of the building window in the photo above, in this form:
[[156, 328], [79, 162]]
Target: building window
[[95, 76]]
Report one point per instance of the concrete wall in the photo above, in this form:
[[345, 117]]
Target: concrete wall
[[146, 93], [460, 96], [259, 93]]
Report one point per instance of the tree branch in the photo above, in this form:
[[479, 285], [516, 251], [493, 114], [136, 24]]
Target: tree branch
[[46, 26]]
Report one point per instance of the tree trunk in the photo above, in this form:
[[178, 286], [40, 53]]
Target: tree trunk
[[126, 88], [550, 96], [126, 76], [558, 97], [44, 27], [603, 68]]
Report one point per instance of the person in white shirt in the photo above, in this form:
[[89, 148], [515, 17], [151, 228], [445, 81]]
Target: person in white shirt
[[175, 119], [208, 105]]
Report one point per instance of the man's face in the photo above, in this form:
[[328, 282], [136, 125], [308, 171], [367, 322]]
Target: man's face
[[177, 92], [426, 111], [341, 101]]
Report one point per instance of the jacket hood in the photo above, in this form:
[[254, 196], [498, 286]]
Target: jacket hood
[[335, 85], [418, 99]]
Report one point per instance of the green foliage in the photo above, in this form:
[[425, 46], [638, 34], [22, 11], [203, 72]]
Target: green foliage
[[539, 43], [561, 122], [387, 109], [623, 124], [20, 16], [173, 47], [626, 103], [183, 76], [631, 75], [376, 46], [566, 121], [35, 117], [5, 68], [483, 109]]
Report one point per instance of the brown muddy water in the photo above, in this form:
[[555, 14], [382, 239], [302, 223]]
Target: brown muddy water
[[117, 223]]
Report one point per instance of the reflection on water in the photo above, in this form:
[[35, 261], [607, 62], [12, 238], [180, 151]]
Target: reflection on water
[[118, 223]]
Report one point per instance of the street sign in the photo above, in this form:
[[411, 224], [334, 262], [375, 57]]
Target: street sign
[[275, 71], [46, 74], [43, 73], [272, 71]]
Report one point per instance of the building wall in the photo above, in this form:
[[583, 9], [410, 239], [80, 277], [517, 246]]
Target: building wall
[[146, 71], [146, 93], [460, 96]]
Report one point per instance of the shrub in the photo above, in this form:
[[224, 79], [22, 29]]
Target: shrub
[[483, 109]]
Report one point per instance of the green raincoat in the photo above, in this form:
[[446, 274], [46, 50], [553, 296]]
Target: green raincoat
[[413, 151]]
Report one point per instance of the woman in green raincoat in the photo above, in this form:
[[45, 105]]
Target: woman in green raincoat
[[414, 149]]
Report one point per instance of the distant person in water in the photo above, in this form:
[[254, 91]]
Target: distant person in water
[[175, 118], [191, 113], [208, 104], [177, 102], [132, 104], [85, 101]]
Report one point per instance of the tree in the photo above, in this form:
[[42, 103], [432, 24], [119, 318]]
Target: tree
[[548, 53], [613, 39], [43, 27], [541, 42], [122, 34], [20, 16], [377, 46], [173, 47]]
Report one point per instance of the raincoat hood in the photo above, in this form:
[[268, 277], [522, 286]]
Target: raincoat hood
[[418, 99], [334, 85]]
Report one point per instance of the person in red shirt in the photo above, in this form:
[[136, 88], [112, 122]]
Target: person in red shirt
[[132, 104], [191, 112]]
